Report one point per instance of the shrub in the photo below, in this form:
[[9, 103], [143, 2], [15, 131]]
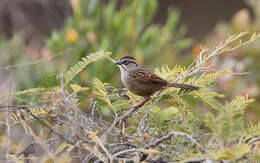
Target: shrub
[[166, 129]]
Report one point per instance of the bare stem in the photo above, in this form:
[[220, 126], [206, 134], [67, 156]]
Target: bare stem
[[175, 133], [123, 117]]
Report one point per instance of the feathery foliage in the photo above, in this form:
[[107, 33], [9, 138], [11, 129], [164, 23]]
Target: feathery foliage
[[101, 93], [78, 67], [174, 125], [197, 133], [124, 30], [30, 91], [252, 130]]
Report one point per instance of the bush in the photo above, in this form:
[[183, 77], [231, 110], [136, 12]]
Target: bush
[[65, 120], [125, 31], [165, 129]]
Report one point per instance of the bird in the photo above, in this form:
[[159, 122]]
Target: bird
[[143, 82]]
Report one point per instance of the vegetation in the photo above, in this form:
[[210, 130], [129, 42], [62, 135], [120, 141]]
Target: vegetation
[[63, 119], [126, 31]]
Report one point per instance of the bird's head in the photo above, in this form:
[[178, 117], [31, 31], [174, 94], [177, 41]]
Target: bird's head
[[126, 63]]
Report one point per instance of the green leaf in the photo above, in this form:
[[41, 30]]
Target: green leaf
[[211, 78], [209, 100], [164, 114], [173, 19], [101, 92], [77, 88], [251, 130], [240, 103], [232, 153], [30, 91], [78, 67]]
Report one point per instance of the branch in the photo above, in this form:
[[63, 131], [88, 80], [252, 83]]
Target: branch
[[123, 117], [175, 133], [44, 124], [23, 106], [144, 156]]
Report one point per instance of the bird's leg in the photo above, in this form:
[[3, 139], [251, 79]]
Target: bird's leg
[[146, 99]]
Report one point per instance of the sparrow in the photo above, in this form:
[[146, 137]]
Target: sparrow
[[143, 82]]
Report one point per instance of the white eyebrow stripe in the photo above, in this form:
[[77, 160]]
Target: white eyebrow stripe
[[132, 60]]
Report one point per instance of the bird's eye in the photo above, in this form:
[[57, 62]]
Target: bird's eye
[[125, 62]]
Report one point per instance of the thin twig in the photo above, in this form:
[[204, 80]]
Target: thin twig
[[24, 106], [175, 133], [10, 67], [44, 124], [123, 117]]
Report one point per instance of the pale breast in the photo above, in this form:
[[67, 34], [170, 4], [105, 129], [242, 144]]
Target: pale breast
[[124, 79]]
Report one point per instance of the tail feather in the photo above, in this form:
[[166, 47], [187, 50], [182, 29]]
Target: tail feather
[[184, 86]]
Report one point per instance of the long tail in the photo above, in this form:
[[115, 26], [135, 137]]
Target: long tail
[[184, 86]]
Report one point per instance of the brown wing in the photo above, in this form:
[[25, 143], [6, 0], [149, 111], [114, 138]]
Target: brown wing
[[144, 76]]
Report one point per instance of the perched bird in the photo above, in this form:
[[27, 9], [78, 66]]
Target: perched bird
[[143, 82]]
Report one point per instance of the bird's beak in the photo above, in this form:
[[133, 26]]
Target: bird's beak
[[118, 63]]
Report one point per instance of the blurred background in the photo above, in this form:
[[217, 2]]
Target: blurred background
[[40, 38]]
